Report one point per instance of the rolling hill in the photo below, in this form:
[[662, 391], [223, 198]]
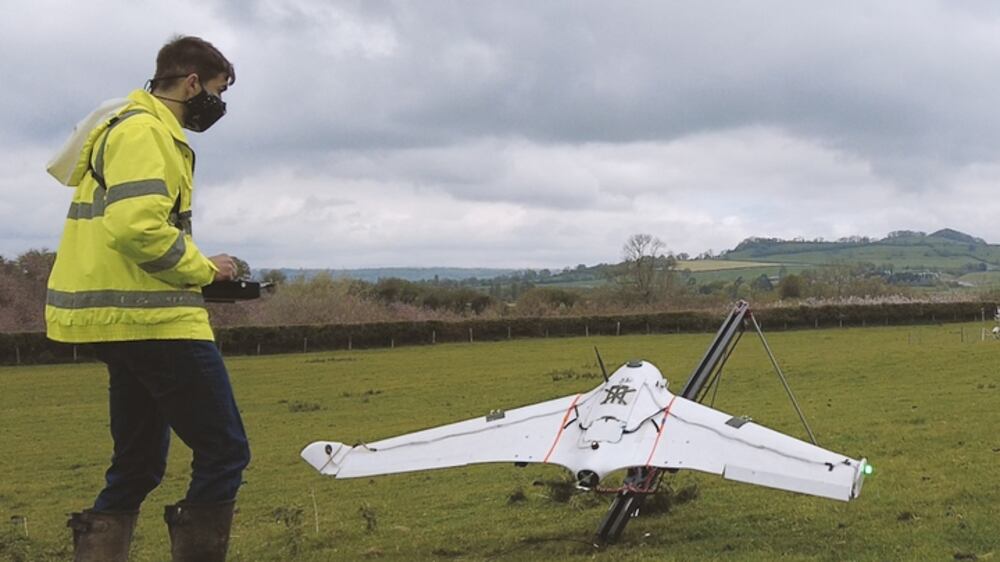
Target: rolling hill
[[957, 256], [945, 251]]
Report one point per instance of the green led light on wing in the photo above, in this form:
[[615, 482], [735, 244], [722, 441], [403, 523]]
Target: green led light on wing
[[868, 469]]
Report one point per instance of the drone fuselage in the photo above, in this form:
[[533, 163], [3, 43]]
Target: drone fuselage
[[633, 399]]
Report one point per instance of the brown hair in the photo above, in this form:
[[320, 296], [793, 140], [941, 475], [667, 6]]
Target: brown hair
[[184, 55]]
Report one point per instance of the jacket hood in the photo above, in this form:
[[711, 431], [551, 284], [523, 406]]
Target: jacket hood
[[70, 164]]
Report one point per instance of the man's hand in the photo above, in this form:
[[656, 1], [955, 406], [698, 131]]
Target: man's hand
[[226, 265]]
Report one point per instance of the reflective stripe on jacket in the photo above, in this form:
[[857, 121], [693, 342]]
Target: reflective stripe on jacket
[[127, 267]]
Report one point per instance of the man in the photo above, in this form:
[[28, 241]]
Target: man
[[127, 279]]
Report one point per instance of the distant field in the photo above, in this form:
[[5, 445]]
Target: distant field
[[697, 266], [903, 259], [588, 284], [982, 278], [708, 271], [908, 253], [747, 274], [919, 402]]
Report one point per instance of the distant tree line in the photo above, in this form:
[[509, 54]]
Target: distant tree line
[[645, 281]]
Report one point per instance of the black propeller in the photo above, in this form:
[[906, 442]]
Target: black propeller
[[601, 363]]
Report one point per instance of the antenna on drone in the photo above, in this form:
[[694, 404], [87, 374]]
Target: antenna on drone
[[601, 363]]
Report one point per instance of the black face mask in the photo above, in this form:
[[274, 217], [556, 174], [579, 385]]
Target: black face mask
[[201, 111]]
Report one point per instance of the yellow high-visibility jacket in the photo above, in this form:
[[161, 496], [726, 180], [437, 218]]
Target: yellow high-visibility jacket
[[127, 267]]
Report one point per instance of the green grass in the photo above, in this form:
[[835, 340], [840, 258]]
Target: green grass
[[708, 271], [924, 253], [917, 401], [982, 278], [748, 274], [697, 266]]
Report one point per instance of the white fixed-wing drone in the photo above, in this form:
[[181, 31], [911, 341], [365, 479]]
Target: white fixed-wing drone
[[631, 421]]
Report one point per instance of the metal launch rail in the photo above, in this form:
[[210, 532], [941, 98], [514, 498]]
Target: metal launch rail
[[642, 481]]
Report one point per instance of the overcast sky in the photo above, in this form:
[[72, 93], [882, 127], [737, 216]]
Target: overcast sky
[[527, 133]]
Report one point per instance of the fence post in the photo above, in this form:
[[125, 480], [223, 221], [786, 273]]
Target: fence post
[[586, 331], [349, 346], [618, 328], [392, 343], [258, 348], [434, 337], [17, 354], [305, 345], [74, 354], [508, 332], [470, 335], [816, 322]]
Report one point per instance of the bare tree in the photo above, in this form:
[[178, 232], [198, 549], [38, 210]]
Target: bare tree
[[646, 269]]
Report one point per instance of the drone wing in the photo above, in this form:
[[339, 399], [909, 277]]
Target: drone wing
[[671, 433], [527, 434], [694, 436]]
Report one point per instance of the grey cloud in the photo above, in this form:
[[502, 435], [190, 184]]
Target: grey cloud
[[891, 83], [883, 81], [701, 122]]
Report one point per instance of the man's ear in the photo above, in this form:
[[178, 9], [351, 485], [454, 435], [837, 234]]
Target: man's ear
[[191, 84]]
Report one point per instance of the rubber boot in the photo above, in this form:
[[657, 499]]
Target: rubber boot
[[199, 532], [102, 536]]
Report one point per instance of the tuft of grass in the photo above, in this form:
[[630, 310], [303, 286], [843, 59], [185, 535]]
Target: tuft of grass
[[291, 519], [558, 491], [583, 501], [517, 496], [316, 360], [666, 498], [14, 546], [571, 375], [367, 513], [296, 406], [364, 395]]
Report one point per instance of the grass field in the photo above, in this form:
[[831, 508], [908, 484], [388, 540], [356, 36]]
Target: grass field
[[982, 278], [696, 266], [919, 402], [708, 271], [934, 253]]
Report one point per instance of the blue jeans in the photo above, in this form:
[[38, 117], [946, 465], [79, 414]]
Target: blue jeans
[[159, 385]]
